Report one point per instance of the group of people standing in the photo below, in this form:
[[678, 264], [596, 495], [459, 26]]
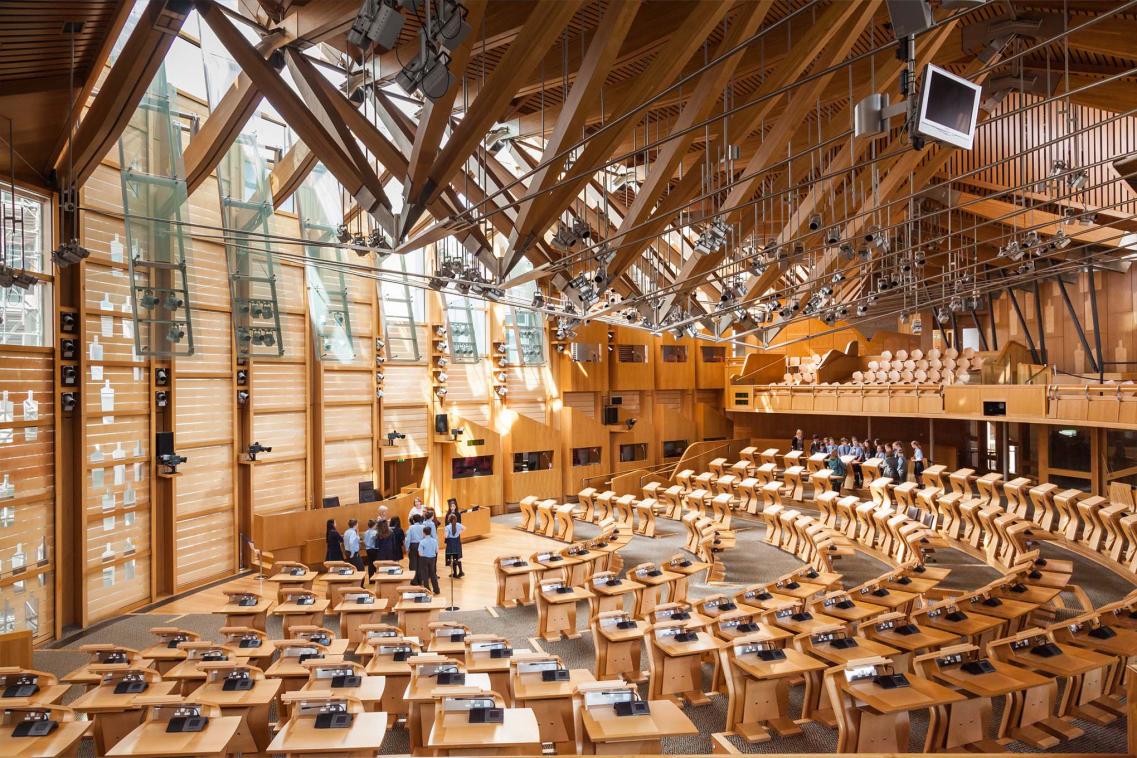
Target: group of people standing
[[385, 540], [895, 463]]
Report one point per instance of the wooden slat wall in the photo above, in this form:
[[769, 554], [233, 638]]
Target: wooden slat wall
[[116, 535], [28, 525]]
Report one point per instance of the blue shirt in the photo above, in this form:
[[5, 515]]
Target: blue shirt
[[414, 534], [428, 547], [369, 538], [351, 541]]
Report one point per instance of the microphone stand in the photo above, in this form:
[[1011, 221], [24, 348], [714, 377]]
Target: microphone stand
[[451, 607]]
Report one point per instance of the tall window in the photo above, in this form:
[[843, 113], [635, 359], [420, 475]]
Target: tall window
[[466, 319], [25, 238], [524, 329], [403, 308]]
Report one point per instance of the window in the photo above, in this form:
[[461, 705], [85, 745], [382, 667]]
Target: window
[[466, 320], [541, 460], [586, 456], [524, 337], [1070, 449], [22, 312], [585, 352], [674, 353], [478, 465], [636, 451], [403, 309], [674, 448], [631, 353], [712, 354]]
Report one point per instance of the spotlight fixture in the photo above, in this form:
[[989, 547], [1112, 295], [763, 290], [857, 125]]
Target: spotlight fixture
[[171, 461], [838, 277], [69, 376], [630, 423], [68, 349], [501, 390], [242, 397], [440, 392], [429, 71], [343, 234], [255, 449], [1060, 240], [833, 236], [862, 309], [815, 222], [68, 253], [378, 22], [1077, 179], [161, 398], [242, 377], [162, 377], [69, 401], [943, 315], [68, 323]]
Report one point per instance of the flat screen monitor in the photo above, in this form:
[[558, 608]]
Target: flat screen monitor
[[949, 106], [332, 502]]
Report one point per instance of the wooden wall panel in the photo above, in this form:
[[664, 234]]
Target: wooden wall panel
[[204, 531], [204, 411], [279, 387], [583, 430], [212, 341], [404, 384], [413, 421], [279, 486], [208, 275], [347, 384], [283, 432], [294, 328]]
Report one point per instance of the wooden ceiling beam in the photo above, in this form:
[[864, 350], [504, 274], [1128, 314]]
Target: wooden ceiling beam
[[540, 29], [697, 108], [314, 88], [290, 171], [436, 114], [122, 90], [664, 68], [799, 102], [208, 146], [585, 93]]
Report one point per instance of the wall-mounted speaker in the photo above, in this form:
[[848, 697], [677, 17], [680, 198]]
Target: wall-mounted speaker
[[611, 415], [163, 444]]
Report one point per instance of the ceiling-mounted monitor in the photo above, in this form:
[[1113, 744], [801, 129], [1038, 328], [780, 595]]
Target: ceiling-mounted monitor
[[949, 107]]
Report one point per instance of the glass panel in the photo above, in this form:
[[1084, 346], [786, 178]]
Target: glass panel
[[674, 353], [246, 207], [23, 245], [541, 460], [466, 321], [154, 205], [479, 465], [634, 452], [713, 354], [585, 456], [403, 307], [674, 448], [1121, 453], [1070, 449], [318, 205]]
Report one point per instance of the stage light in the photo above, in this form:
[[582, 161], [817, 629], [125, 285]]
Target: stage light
[[501, 390], [630, 423], [343, 234], [68, 253], [242, 397], [862, 309], [376, 23], [838, 277], [69, 401], [815, 222], [175, 332]]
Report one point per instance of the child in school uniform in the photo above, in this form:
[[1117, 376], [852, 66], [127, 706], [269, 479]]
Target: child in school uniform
[[454, 531]]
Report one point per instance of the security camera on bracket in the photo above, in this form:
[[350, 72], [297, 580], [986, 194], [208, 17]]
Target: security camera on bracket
[[393, 436]]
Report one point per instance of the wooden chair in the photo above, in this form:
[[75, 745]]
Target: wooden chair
[[645, 517], [587, 498], [528, 506]]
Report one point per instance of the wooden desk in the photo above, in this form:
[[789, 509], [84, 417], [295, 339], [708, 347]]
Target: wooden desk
[[605, 733], [397, 675], [812, 622], [422, 696], [151, 740], [548, 565], [115, 715], [165, 653], [551, 703], [415, 618], [759, 698], [64, 741], [610, 598], [362, 739], [291, 671], [858, 611], [251, 705], [296, 614], [618, 650], [341, 578], [514, 583], [1086, 674], [924, 638], [556, 613], [287, 581], [369, 692], [676, 667], [585, 563], [972, 627], [968, 722], [518, 734], [386, 581], [354, 613], [188, 677], [253, 616], [648, 596], [686, 568], [50, 690], [884, 719]]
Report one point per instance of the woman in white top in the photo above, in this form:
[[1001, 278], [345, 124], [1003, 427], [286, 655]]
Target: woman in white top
[[917, 461], [417, 509]]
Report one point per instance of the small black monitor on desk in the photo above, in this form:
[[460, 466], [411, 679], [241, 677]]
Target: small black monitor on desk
[[332, 502]]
